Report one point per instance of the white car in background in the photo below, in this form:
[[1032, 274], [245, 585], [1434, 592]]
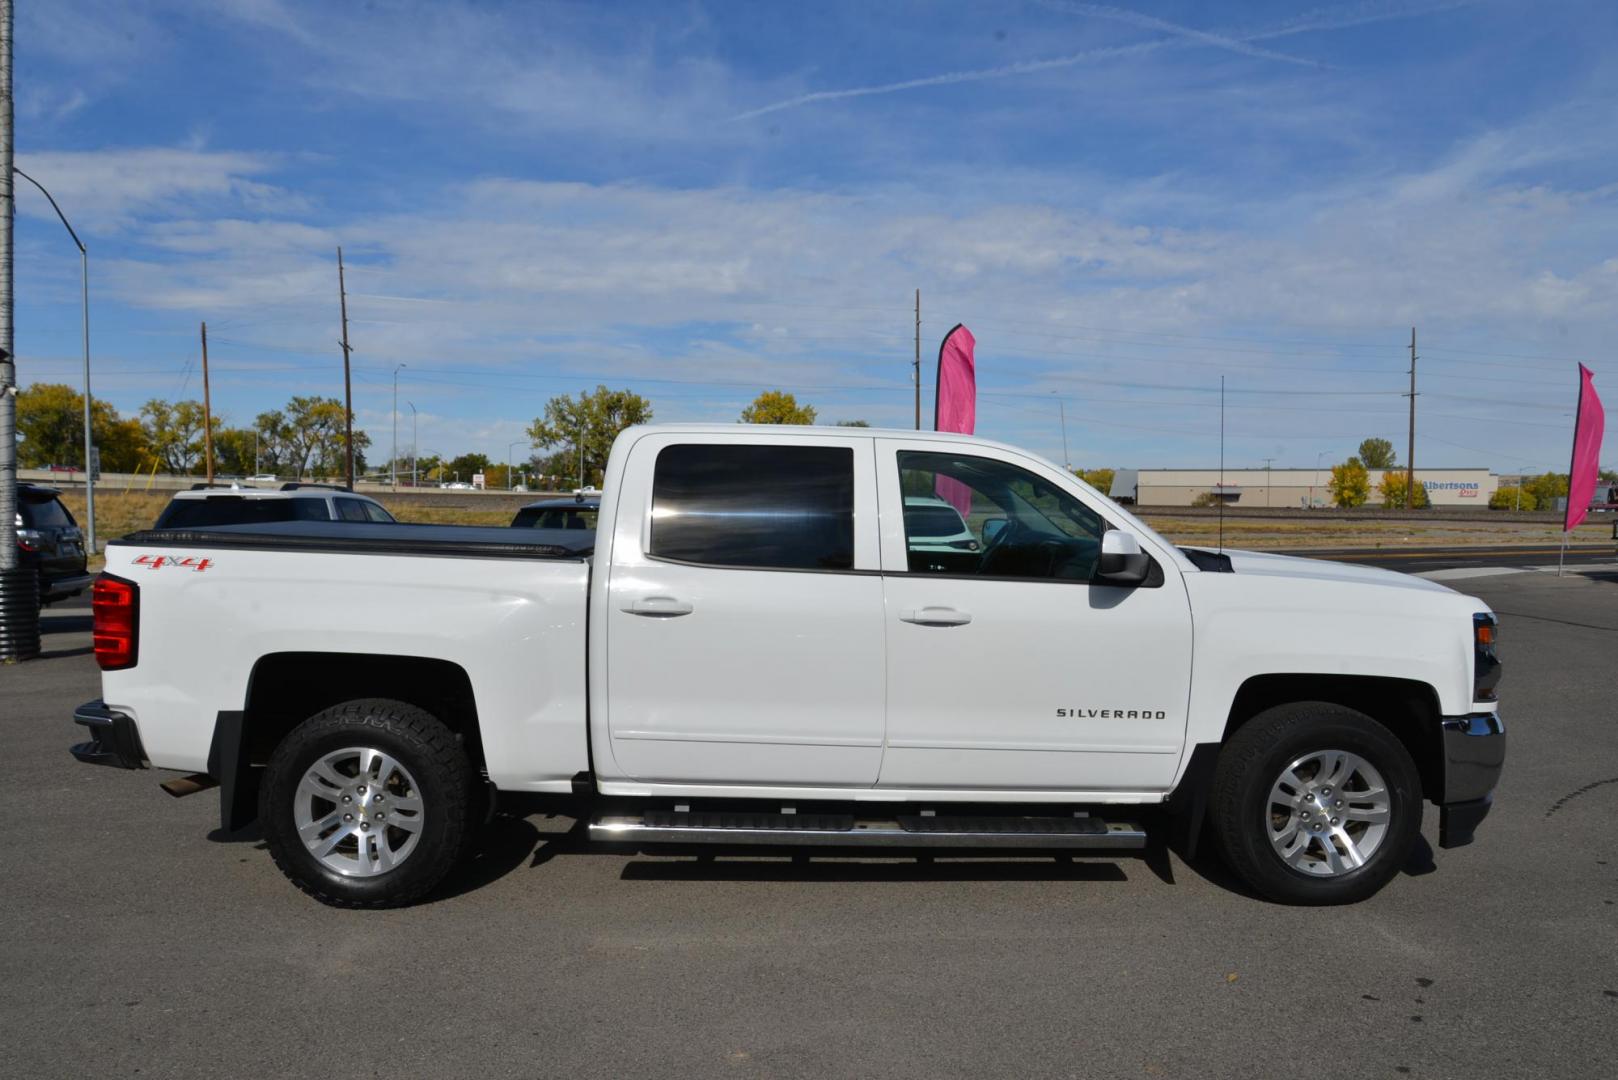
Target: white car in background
[[205, 507]]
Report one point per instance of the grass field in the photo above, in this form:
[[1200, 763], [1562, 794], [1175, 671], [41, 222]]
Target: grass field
[[119, 513]]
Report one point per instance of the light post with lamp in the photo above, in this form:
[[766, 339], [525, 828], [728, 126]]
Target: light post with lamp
[[84, 297], [393, 466]]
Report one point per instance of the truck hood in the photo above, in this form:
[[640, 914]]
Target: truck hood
[[1269, 564]]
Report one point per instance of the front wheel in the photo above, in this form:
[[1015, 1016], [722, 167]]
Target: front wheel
[[1315, 803], [367, 804]]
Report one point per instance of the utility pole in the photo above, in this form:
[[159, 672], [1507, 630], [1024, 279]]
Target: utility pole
[[1410, 456], [581, 455], [348, 385], [917, 363], [19, 586], [207, 409], [1267, 480]]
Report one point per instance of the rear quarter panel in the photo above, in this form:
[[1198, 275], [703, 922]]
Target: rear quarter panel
[[517, 627]]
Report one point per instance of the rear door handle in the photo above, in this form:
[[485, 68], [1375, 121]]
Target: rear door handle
[[936, 616], [659, 606]]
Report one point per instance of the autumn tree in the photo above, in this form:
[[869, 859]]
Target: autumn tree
[[1350, 484], [1392, 490], [1377, 454], [777, 407], [1100, 479], [174, 433], [50, 419], [591, 421], [1512, 497]]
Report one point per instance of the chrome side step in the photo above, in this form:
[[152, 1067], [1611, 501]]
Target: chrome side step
[[845, 830]]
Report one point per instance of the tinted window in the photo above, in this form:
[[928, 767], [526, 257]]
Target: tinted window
[[375, 512], [43, 513], [555, 517], [790, 507], [942, 520], [238, 510], [1021, 525], [350, 509]]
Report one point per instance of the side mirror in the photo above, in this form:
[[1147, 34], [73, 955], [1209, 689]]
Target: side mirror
[[992, 528], [1122, 561]]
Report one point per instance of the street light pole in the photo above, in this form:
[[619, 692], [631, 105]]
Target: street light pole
[[510, 484], [412, 405], [393, 466], [1316, 484], [84, 298]]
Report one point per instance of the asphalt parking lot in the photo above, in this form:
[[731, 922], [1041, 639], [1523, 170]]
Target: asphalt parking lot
[[137, 940]]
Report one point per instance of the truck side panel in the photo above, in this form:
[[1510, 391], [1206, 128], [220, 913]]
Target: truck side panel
[[517, 628]]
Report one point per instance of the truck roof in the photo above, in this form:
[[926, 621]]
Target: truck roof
[[822, 431]]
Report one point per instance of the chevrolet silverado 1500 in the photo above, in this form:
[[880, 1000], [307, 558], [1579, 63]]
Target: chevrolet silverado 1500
[[752, 649]]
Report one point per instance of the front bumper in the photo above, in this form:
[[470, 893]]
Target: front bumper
[[1474, 754], [113, 739]]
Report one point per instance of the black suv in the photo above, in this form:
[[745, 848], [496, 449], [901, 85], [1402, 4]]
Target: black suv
[[49, 540]]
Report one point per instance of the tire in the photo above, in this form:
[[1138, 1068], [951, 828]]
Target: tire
[[416, 772], [1292, 836]]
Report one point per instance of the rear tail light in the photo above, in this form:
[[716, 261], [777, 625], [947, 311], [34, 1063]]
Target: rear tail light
[[115, 621], [30, 539]]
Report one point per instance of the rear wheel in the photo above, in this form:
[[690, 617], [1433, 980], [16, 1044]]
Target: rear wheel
[[367, 804], [1315, 803]]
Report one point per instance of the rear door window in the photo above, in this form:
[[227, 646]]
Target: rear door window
[[740, 505], [375, 512], [350, 510]]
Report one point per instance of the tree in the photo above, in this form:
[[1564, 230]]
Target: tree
[[1350, 484], [1100, 479], [1546, 489], [174, 433], [1607, 476], [1392, 490], [853, 423], [309, 438], [1512, 497], [1377, 454], [233, 451], [777, 407], [463, 467], [50, 419], [592, 421]]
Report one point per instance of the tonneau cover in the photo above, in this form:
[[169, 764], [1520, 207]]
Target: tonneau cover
[[470, 541]]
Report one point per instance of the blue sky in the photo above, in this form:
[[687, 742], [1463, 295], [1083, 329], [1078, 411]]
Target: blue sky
[[700, 201]]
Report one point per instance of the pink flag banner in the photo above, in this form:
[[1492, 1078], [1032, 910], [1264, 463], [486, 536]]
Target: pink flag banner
[[955, 404], [1587, 431]]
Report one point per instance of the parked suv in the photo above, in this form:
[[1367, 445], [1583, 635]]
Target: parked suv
[[49, 539], [203, 507]]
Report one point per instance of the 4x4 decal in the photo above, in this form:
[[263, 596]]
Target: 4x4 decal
[[190, 562]]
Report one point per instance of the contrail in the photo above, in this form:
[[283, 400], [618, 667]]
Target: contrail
[[1236, 44], [1021, 67], [1321, 19]]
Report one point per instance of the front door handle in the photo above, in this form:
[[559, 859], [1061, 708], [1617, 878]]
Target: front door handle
[[663, 607], [936, 616]]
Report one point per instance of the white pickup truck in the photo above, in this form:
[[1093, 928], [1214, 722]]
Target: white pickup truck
[[752, 649]]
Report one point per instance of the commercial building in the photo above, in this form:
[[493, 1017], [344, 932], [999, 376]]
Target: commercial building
[[1288, 487]]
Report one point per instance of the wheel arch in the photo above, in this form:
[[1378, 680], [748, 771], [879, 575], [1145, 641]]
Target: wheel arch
[[1408, 708], [286, 688]]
